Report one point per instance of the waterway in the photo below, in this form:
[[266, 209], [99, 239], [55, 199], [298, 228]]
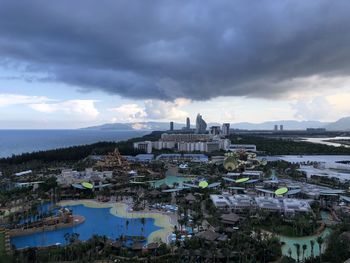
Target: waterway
[[290, 241], [324, 140], [98, 221]]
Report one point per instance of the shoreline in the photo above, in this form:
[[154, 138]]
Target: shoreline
[[119, 209]]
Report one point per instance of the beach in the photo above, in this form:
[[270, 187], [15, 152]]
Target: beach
[[120, 209]]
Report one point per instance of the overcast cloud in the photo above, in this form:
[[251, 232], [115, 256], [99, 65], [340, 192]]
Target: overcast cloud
[[178, 49]]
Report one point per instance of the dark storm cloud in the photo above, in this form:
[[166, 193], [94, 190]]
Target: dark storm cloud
[[171, 49]]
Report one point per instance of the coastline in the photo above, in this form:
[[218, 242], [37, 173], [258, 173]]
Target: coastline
[[119, 209]]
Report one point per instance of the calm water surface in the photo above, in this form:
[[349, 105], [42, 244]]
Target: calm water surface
[[98, 221], [324, 140], [21, 141]]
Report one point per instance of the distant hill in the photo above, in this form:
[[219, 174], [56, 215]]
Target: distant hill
[[342, 124], [287, 124], [149, 126]]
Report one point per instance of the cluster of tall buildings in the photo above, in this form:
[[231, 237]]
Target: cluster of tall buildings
[[185, 142], [276, 127], [191, 140], [201, 127], [217, 130]]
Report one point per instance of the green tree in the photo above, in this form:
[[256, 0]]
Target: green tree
[[297, 247], [320, 241], [304, 247], [312, 244]]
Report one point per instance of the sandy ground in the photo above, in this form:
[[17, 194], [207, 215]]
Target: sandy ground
[[164, 220]]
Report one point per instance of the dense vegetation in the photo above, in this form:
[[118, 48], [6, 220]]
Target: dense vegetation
[[274, 146]]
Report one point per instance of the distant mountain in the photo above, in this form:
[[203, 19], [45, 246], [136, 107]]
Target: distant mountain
[[151, 126], [339, 125], [287, 124]]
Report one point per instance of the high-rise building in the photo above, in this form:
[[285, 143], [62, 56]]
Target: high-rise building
[[188, 123], [201, 125], [215, 130], [226, 129], [171, 125], [281, 127], [276, 127]]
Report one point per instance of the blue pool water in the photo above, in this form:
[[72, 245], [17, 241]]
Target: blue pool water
[[98, 221]]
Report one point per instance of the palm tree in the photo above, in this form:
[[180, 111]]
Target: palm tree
[[312, 244], [127, 224], [304, 249], [320, 241], [143, 222], [297, 246], [290, 252]]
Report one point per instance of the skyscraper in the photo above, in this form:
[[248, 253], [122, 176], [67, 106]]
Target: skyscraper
[[226, 129], [281, 127], [215, 130], [188, 123], [276, 128], [201, 125], [171, 125]]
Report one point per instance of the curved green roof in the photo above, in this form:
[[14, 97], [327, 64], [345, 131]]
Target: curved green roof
[[203, 184], [242, 180], [87, 185], [281, 191]]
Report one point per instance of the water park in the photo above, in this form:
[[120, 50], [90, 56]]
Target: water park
[[114, 221]]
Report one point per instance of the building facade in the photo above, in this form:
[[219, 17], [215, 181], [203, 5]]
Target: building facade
[[215, 130], [188, 123], [201, 125], [226, 129], [145, 146], [244, 147]]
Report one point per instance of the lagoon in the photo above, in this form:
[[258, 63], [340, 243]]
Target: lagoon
[[98, 221], [290, 241]]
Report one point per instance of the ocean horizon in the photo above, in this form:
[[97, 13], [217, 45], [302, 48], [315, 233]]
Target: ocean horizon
[[18, 141]]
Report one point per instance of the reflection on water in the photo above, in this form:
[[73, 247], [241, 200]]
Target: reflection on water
[[290, 241]]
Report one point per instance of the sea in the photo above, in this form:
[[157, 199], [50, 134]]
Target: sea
[[13, 142]]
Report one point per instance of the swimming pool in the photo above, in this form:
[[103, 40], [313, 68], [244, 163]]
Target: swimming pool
[[171, 177], [98, 221]]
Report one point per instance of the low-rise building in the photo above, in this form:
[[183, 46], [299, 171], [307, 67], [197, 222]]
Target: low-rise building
[[185, 137], [144, 158], [293, 206], [269, 204], [240, 203], [220, 202], [197, 158], [244, 147], [145, 146]]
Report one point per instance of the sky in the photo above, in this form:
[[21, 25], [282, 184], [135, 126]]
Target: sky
[[71, 64]]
